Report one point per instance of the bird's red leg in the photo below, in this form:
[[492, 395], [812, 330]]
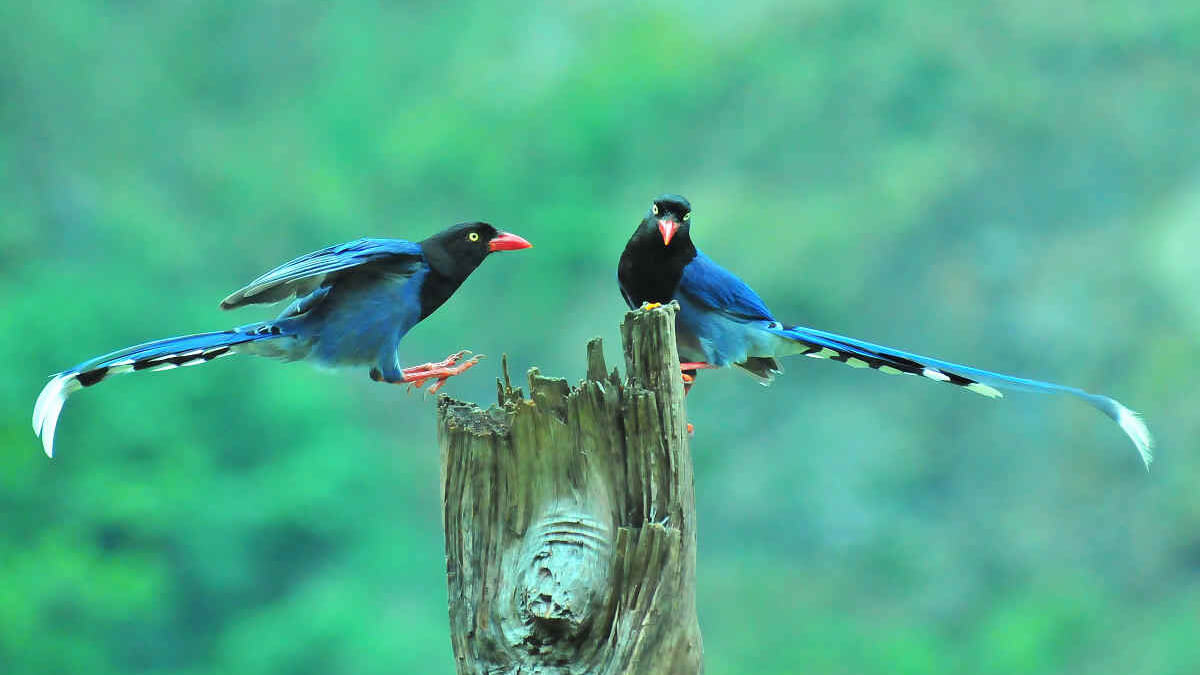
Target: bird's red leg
[[448, 362], [689, 369], [689, 379], [440, 372], [417, 376]]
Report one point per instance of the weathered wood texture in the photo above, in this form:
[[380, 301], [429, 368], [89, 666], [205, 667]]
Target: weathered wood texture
[[570, 519]]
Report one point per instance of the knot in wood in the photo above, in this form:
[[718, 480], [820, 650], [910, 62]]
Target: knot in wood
[[565, 563]]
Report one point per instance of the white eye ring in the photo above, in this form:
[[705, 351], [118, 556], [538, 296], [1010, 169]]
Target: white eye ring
[[474, 236], [687, 215], [654, 208]]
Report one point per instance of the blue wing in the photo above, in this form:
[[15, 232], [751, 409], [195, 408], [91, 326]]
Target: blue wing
[[716, 288], [302, 275]]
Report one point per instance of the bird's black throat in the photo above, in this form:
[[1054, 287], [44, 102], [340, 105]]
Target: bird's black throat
[[437, 289], [446, 273], [648, 270]]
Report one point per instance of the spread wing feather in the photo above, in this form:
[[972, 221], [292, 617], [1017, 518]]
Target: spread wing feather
[[302, 275]]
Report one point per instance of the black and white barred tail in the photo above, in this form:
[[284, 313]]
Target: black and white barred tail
[[175, 352], [860, 354]]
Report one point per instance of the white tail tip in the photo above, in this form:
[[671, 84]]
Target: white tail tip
[[1133, 426], [984, 390], [49, 405]]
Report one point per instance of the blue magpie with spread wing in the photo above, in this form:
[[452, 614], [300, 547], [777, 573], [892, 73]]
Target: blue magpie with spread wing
[[354, 302], [722, 322]]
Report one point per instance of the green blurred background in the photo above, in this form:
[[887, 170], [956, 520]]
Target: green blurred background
[[1015, 185]]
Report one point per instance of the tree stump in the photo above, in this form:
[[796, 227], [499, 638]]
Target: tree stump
[[570, 518]]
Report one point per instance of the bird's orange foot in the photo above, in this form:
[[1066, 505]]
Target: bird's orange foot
[[419, 375], [691, 429], [688, 379], [651, 305]]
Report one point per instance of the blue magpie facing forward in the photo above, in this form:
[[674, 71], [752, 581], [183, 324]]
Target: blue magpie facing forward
[[722, 322], [354, 302]]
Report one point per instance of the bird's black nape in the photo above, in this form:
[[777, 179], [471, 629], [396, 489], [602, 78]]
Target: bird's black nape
[[653, 261]]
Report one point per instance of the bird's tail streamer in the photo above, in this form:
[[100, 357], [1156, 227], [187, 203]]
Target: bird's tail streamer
[[860, 354], [174, 352]]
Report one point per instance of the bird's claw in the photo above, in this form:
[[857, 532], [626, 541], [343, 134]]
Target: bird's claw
[[417, 376], [445, 363], [651, 305], [688, 379], [691, 430]]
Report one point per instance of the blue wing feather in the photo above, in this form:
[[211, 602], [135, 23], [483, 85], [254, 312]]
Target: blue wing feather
[[720, 290], [301, 275]]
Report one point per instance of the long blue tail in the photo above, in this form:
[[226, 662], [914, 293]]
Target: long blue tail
[[860, 354], [174, 352]]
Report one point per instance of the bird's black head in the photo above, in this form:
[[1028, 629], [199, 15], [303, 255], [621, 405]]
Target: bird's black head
[[652, 263], [669, 216], [456, 251]]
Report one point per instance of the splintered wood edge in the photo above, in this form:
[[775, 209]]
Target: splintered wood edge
[[462, 415]]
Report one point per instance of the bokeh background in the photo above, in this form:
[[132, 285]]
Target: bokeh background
[[1014, 185]]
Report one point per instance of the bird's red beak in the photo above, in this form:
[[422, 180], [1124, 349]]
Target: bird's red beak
[[667, 227], [507, 241]]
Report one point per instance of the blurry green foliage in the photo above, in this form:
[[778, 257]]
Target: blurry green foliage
[[1008, 184]]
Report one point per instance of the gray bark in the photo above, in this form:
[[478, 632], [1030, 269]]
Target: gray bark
[[570, 518]]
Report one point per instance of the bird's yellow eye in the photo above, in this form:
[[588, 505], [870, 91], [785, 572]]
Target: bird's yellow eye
[[654, 209], [687, 215], [474, 236]]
